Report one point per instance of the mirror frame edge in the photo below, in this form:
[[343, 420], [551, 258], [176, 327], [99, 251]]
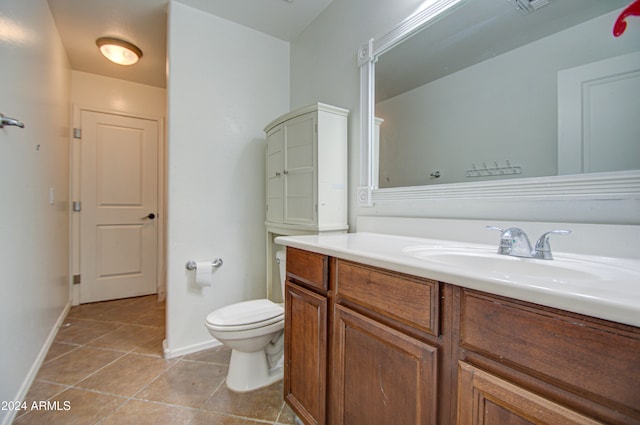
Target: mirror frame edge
[[615, 185]]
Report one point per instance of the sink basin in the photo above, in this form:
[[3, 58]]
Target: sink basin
[[509, 267], [476, 259]]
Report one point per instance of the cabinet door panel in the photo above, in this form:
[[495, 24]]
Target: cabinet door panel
[[299, 174], [381, 376], [299, 135], [486, 399], [305, 353], [275, 167]]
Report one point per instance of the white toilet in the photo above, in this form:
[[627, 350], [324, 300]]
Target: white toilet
[[254, 330]]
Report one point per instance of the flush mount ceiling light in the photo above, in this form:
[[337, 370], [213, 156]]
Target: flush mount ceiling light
[[119, 51]]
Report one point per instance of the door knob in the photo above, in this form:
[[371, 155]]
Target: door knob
[[150, 216]]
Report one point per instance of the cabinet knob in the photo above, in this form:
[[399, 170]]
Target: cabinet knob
[[285, 172], [277, 173]]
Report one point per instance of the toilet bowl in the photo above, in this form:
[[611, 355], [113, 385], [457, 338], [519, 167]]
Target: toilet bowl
[[254, 330]]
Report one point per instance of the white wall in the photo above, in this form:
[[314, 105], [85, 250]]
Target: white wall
[[504, 108], [96, 92], [33, 234], [324, 68], [225, 83], [111, 94]]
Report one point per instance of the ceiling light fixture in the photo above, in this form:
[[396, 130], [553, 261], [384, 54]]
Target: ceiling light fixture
[[119, 51]]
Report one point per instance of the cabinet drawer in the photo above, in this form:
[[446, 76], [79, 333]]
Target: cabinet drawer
[[308, 268], [408, 299], [590, 357]]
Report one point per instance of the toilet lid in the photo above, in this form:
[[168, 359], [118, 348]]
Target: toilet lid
[[246, 313]]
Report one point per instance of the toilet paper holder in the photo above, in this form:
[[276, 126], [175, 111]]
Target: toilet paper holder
[[193, 265]]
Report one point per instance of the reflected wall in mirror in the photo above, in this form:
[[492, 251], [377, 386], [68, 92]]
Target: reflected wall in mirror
[[489, 92]]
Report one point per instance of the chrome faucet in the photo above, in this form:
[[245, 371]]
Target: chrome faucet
[[514, 241]]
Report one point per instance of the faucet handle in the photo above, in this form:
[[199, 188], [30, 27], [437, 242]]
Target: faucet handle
[[513, 241], [506, 244], [504, 248], [499, 229], [543, 248]]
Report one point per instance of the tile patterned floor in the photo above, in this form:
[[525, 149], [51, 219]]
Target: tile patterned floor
[[106, 367]]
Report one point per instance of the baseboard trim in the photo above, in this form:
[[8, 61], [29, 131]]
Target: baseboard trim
[[35, 367], [189, 349]]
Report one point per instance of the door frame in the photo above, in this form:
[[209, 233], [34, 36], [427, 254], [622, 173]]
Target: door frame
[[74, 195]]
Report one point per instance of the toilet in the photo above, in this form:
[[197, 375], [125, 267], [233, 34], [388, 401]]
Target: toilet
[[254, 330]]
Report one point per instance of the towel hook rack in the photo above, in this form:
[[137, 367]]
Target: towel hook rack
[[4, 120]]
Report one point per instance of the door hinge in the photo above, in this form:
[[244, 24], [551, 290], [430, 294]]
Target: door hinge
[[76, 279], [77, 133], [77, 206]]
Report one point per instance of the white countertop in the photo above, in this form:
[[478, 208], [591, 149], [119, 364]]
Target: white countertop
[[603, 287]]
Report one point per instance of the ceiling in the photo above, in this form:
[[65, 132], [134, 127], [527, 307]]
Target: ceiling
[[144, 23]]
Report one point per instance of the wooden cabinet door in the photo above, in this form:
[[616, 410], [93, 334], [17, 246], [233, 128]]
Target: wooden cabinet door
[[380, 375], [305, 354], [485, 399]]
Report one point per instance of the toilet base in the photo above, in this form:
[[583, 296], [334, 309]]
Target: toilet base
[[250, 371]]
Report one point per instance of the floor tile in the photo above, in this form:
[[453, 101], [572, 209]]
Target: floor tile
[[264, 404], [76, 365], [187, 384], [74, 407], [151, 317], [104, 311], [287, 417], [81, 331], [211, 418], [126, 337], [58, 349], [136, 412], [40, 391], [153, 347], [127, 375], [220, 354]]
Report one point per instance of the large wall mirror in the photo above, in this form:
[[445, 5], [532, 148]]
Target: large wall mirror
[[469, 97]]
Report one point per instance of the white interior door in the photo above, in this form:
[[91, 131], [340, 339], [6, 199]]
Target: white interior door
[[598, 116], [119, 195]]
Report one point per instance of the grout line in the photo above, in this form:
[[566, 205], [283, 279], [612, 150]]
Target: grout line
[[76, 348]]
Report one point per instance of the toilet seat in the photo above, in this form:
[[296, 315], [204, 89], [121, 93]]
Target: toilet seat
[[245, 315]]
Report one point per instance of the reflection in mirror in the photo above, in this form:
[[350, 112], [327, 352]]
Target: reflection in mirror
[[491, 91]]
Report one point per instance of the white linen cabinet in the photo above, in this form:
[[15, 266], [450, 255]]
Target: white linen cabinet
[[306, 169]]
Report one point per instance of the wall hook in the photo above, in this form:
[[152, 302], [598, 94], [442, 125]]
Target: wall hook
[[4, 120]]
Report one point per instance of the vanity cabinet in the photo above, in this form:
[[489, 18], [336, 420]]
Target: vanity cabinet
[[306, 169], [385, 347]]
